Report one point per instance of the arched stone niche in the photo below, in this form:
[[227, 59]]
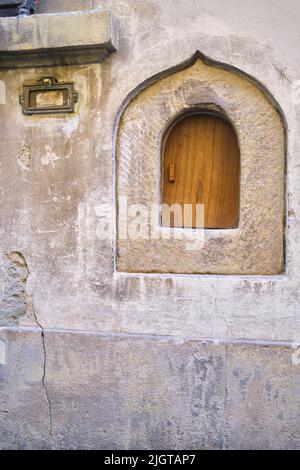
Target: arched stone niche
[[256, 247]]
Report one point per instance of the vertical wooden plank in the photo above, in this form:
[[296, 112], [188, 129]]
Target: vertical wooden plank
[[205, 152]]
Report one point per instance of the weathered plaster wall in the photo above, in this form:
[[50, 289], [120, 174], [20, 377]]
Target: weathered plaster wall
[[51, 210], [55, 172]]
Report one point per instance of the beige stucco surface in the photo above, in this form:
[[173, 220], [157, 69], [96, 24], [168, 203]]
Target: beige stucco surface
[[56, 172], [50, 209]]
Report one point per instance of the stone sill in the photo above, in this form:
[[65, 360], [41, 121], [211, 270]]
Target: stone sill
[[57, 39]]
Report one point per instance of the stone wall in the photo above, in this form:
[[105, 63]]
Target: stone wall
[[95, 357]]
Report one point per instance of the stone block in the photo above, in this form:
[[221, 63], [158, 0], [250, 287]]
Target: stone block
[[57, 39], [108, 391]]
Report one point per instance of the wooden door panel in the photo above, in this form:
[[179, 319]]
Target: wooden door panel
[[202, 166]]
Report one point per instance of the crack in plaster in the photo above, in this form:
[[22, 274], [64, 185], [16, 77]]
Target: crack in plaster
[[30, 305], [44, 372], [225, 437], [18, 276]]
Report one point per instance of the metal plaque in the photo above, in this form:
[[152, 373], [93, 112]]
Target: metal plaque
[[48, 96]]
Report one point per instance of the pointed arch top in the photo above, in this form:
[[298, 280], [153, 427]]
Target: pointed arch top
[[198, 55], [257, 245]]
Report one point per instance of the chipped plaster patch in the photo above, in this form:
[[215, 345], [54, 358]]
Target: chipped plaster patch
[[13, 301], [24, 159]]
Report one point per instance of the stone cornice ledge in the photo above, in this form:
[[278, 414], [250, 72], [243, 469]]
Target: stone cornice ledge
[[71, 38]]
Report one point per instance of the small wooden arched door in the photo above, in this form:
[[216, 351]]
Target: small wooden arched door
[[201, 165]]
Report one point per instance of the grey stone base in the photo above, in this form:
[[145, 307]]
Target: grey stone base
[[77, 390]]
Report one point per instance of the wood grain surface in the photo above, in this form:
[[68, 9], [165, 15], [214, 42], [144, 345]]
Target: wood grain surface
[[202, 166]]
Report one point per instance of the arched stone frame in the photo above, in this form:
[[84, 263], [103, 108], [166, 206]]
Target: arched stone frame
[[256, 247]]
